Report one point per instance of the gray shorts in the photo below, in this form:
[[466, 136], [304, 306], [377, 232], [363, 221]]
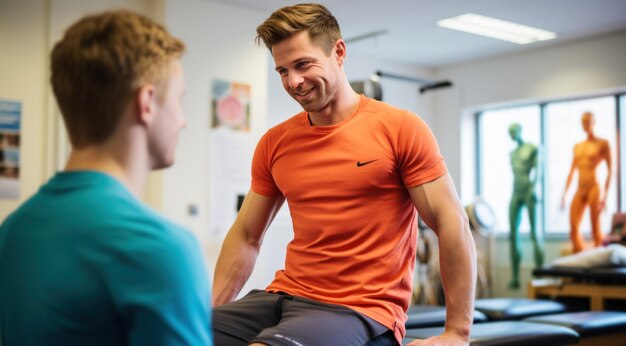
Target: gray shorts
[[278, 319]]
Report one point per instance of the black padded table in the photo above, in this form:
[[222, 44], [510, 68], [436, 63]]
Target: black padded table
[[422, 316], [601, 275], [506, 309], [596, 284], [507, 333], [594, 327]]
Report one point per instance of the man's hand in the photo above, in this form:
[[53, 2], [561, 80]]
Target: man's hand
[[445, 339]]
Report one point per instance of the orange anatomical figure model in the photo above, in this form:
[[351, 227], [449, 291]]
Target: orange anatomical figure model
[[588, 154]]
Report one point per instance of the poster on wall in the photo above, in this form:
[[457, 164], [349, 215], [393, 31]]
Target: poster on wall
[[230, 105], [10, 116]]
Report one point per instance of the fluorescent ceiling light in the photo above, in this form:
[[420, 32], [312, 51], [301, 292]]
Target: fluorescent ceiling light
[[496, 28]]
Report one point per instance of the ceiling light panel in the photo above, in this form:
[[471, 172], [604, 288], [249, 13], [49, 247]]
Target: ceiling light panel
[[496, 28]]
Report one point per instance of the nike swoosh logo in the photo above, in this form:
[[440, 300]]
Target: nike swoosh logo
[[360, 164]]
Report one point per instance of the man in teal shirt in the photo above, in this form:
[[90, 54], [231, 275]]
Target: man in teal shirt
[[83, 261]]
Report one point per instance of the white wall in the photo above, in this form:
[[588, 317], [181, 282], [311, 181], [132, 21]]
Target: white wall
[[23, 73], [572, 69]]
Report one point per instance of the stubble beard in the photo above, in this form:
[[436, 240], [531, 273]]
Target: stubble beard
[[312, 106], [317, 102]]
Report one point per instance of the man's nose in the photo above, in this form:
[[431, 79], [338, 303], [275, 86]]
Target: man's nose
[[295, 79]]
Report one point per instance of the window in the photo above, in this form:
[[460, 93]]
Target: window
[[554, 127]]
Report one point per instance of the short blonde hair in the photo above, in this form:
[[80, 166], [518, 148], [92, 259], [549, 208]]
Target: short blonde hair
[[316, 19], [99, 64]]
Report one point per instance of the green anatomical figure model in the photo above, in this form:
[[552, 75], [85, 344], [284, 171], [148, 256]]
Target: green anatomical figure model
[[524, 163]]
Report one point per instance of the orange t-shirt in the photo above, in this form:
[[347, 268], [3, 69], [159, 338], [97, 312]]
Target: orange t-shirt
[[354, 221]]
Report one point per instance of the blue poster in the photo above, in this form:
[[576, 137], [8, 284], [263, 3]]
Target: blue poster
[[10, 123]]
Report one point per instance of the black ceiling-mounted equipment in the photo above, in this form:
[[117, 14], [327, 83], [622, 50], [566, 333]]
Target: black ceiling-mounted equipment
[[426, 84]]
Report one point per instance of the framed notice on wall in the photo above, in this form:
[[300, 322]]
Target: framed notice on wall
[[10, 118]]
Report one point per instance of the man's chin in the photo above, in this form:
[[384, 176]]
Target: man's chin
[[307, 105], [162, 164], [310, 107]]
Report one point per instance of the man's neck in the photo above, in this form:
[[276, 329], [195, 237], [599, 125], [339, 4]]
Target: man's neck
[[339, 109], [130, 170]]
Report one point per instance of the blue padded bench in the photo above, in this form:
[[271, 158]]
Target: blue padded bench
[[507, 309], [422, 316], [602, 328], [507, 333]]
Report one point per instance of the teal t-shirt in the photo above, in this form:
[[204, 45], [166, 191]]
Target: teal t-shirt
[[83, 262]]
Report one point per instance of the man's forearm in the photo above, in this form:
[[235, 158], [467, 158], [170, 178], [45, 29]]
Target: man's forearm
[[458, 271], [234, 266]]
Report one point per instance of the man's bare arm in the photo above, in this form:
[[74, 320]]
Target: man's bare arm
[[440, 208], [242, 244]]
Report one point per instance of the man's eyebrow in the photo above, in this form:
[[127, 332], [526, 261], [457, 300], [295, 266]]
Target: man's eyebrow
[[306, 58]]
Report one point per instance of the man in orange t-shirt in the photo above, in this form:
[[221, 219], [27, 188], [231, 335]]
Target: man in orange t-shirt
[[355, 173]]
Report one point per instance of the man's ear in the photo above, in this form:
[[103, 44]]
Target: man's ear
[[340, 51], [145, 101]]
